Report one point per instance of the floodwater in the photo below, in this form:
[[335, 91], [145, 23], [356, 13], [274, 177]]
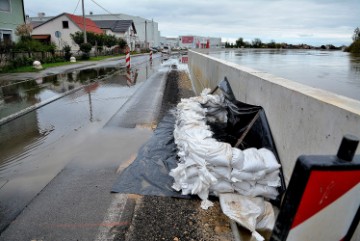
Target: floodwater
[[35, 147], [96, 102], [334, 71]]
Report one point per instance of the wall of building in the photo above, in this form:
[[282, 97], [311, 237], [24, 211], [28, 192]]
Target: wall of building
[[303, 120], [9, 20], [126, 36], [56, 25], [192, 42], [152, 34]]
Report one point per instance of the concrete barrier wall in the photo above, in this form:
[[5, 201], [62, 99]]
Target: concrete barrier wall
[[303, 120]]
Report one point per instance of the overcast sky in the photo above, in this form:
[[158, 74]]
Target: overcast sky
[[313, 22]]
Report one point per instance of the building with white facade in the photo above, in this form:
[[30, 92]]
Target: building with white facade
[[192, 41], [148, 34], [124, 29], [11, 16], [59, 28]]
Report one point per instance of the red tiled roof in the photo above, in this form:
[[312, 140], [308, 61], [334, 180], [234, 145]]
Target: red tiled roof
[[90, 25]]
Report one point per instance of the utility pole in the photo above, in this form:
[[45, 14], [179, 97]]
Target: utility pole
[[153, 35], [84, 22], [146, 40]]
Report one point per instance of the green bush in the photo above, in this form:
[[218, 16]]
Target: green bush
[[21, 61], [67, 50], [85, 48], [29, 45]]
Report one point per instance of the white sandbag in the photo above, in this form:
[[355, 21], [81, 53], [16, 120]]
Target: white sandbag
[[221, 186], [221, 172], [271, 179], [216, 114], [247, 212], [244, 185], [183, 173], [256, 190], [213, 152], [269, 159], [266, 220], [237, 161], [206, 164], [253, 161], [239, 175], [205, 203]]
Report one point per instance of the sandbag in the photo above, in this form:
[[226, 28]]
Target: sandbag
[[251, 213], [208, 165]]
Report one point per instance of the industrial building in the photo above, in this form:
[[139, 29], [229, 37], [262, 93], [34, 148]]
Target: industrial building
[[192, 41]]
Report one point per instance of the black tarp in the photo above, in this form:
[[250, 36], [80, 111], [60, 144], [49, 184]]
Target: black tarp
[[247, 126]]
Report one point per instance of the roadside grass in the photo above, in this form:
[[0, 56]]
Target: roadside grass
[[31, 69], [24, 69]]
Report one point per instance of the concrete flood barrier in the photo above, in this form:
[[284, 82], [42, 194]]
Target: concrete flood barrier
[[303, 120]]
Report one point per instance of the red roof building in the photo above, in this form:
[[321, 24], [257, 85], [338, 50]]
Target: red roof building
[[90, 25], [59, 29]]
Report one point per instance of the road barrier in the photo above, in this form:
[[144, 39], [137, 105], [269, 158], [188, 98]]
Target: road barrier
[[127, 59]]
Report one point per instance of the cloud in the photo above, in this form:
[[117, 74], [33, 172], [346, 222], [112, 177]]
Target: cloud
[[266, 19]]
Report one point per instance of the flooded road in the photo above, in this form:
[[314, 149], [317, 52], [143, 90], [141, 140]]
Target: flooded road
[[35, 147]]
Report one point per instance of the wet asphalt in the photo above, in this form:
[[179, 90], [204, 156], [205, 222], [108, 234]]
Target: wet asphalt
[[75, 203]]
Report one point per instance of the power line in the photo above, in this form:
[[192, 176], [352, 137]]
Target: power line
[[117, 16], [107, 10], [76, 7]]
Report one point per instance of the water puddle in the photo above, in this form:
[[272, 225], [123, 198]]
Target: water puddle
[[19, 95]]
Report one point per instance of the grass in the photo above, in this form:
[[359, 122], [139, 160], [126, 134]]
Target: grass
[[31, 69], [24, 69]]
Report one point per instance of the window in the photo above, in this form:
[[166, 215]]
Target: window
[[65, 24], [5, 36], [5, 5]]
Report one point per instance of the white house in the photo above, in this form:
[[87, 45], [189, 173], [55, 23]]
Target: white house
[[59, 28], [121, 29]]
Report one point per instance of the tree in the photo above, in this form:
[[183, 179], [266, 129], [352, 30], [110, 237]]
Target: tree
[[122, 43], [110, 40], [24, 31], [272, 44], [85, 48], [355, 46], [77, 37], [240, 43], [256, 43], [67, 50]]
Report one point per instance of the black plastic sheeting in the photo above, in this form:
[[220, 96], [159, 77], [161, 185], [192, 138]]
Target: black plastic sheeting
[[149, 173]]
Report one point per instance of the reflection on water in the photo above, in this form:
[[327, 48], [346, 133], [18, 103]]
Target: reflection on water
[[20, 95], [334, 71], [354, 60]]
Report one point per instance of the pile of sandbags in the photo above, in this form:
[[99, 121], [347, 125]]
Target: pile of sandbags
[[209, 166]]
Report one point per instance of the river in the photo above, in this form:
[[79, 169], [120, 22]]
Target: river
[[334, 71]]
